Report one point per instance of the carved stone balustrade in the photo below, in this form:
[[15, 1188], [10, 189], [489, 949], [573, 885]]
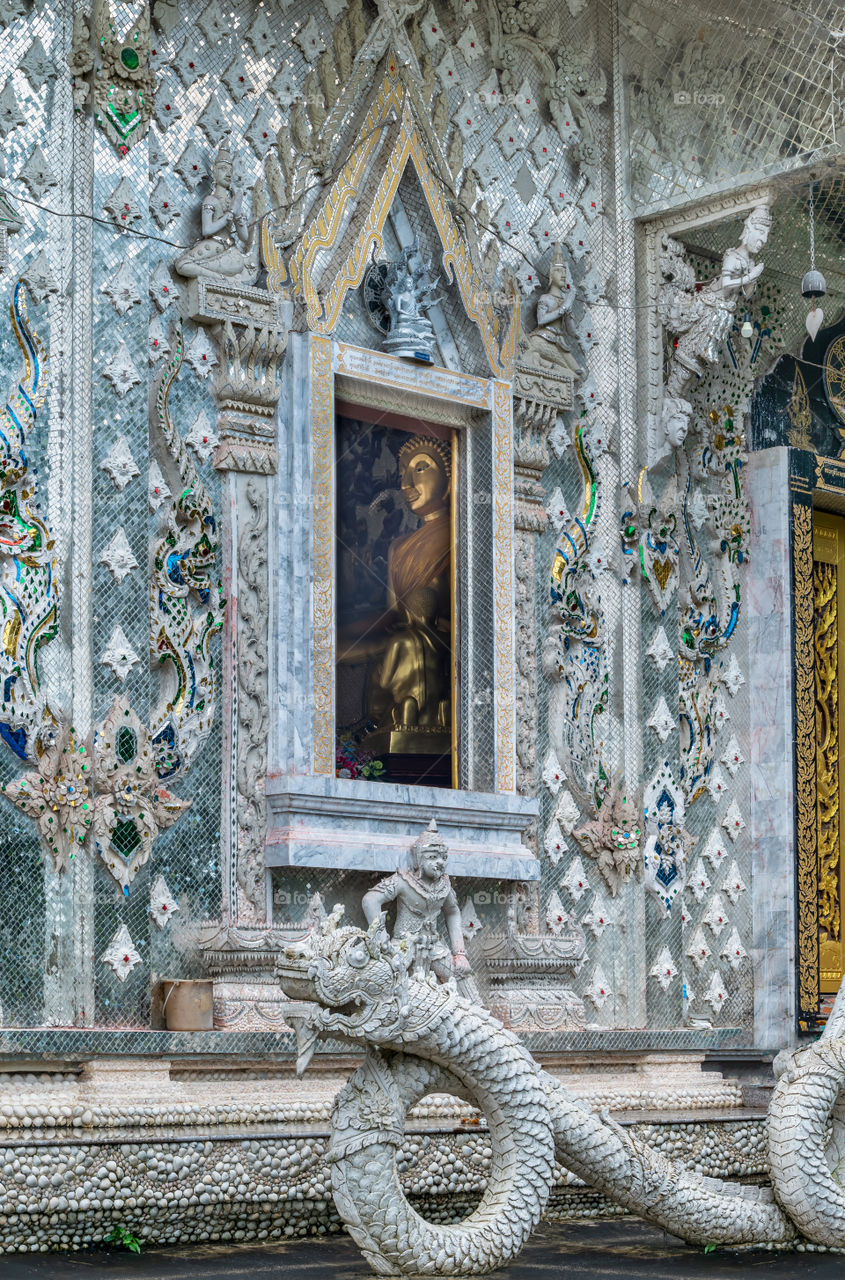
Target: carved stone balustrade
[[250, 328]]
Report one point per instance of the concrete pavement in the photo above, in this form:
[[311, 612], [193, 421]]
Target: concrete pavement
[[610, 1250]]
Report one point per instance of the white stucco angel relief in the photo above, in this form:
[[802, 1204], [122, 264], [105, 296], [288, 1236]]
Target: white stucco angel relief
[[700, 319], [228, 247], [548, 344]]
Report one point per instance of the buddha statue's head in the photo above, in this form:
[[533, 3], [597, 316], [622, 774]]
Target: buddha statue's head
[[425, 474]]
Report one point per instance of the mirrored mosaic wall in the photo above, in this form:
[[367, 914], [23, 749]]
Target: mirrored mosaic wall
[[718, 92], [133, 831]]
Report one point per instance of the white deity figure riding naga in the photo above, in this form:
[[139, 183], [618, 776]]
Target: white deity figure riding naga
[[421, 895], [421, 1036]]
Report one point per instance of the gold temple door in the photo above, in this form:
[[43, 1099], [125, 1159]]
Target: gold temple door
[[829, 637]]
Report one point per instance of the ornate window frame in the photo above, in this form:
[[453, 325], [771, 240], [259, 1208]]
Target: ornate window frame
[[315, 818]]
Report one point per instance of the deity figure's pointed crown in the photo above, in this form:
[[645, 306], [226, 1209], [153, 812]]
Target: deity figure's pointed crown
[[430, 839], [224, 155]]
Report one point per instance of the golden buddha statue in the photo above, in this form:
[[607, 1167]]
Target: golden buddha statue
[[409, 644], [412, 675]]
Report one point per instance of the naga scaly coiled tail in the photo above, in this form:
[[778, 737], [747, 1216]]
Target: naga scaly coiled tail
[[368, 1194], [423, 1038], [806, 1133], [696, 1208]]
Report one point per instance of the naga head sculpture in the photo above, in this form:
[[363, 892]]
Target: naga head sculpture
[[354, 980]]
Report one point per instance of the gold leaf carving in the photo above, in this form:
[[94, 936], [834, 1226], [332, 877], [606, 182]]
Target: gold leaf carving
[[800, 418], [828, 552], [827, 747], [805, 765]]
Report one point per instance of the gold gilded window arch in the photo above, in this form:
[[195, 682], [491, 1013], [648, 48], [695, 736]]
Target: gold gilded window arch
[[393, 133]]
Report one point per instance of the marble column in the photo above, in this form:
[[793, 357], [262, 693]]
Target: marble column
[[771, 748], [536, 407], [250, 329]]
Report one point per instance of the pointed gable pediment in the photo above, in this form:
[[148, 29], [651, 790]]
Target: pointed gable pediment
[[345, 226]]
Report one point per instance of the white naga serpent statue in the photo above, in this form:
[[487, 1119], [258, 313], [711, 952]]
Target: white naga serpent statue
[[421, 1037]]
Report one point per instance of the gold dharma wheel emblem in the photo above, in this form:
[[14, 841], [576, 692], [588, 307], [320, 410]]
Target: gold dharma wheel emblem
[[834, 377]]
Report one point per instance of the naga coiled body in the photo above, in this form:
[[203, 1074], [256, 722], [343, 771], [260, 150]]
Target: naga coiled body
[[421, 1037]]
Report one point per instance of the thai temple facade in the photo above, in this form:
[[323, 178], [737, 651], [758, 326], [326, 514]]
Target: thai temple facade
[[420, 458]]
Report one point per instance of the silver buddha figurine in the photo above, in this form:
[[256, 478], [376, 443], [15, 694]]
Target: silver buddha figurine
[[408, 293]]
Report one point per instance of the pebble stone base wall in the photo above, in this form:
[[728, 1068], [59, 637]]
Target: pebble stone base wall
[[168, 1190], [180, 1153]]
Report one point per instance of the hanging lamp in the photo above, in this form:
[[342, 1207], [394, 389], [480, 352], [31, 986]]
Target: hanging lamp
[[813, 285]]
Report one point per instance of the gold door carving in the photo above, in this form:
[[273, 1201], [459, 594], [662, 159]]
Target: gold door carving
[[805, 765], [829, 639]]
